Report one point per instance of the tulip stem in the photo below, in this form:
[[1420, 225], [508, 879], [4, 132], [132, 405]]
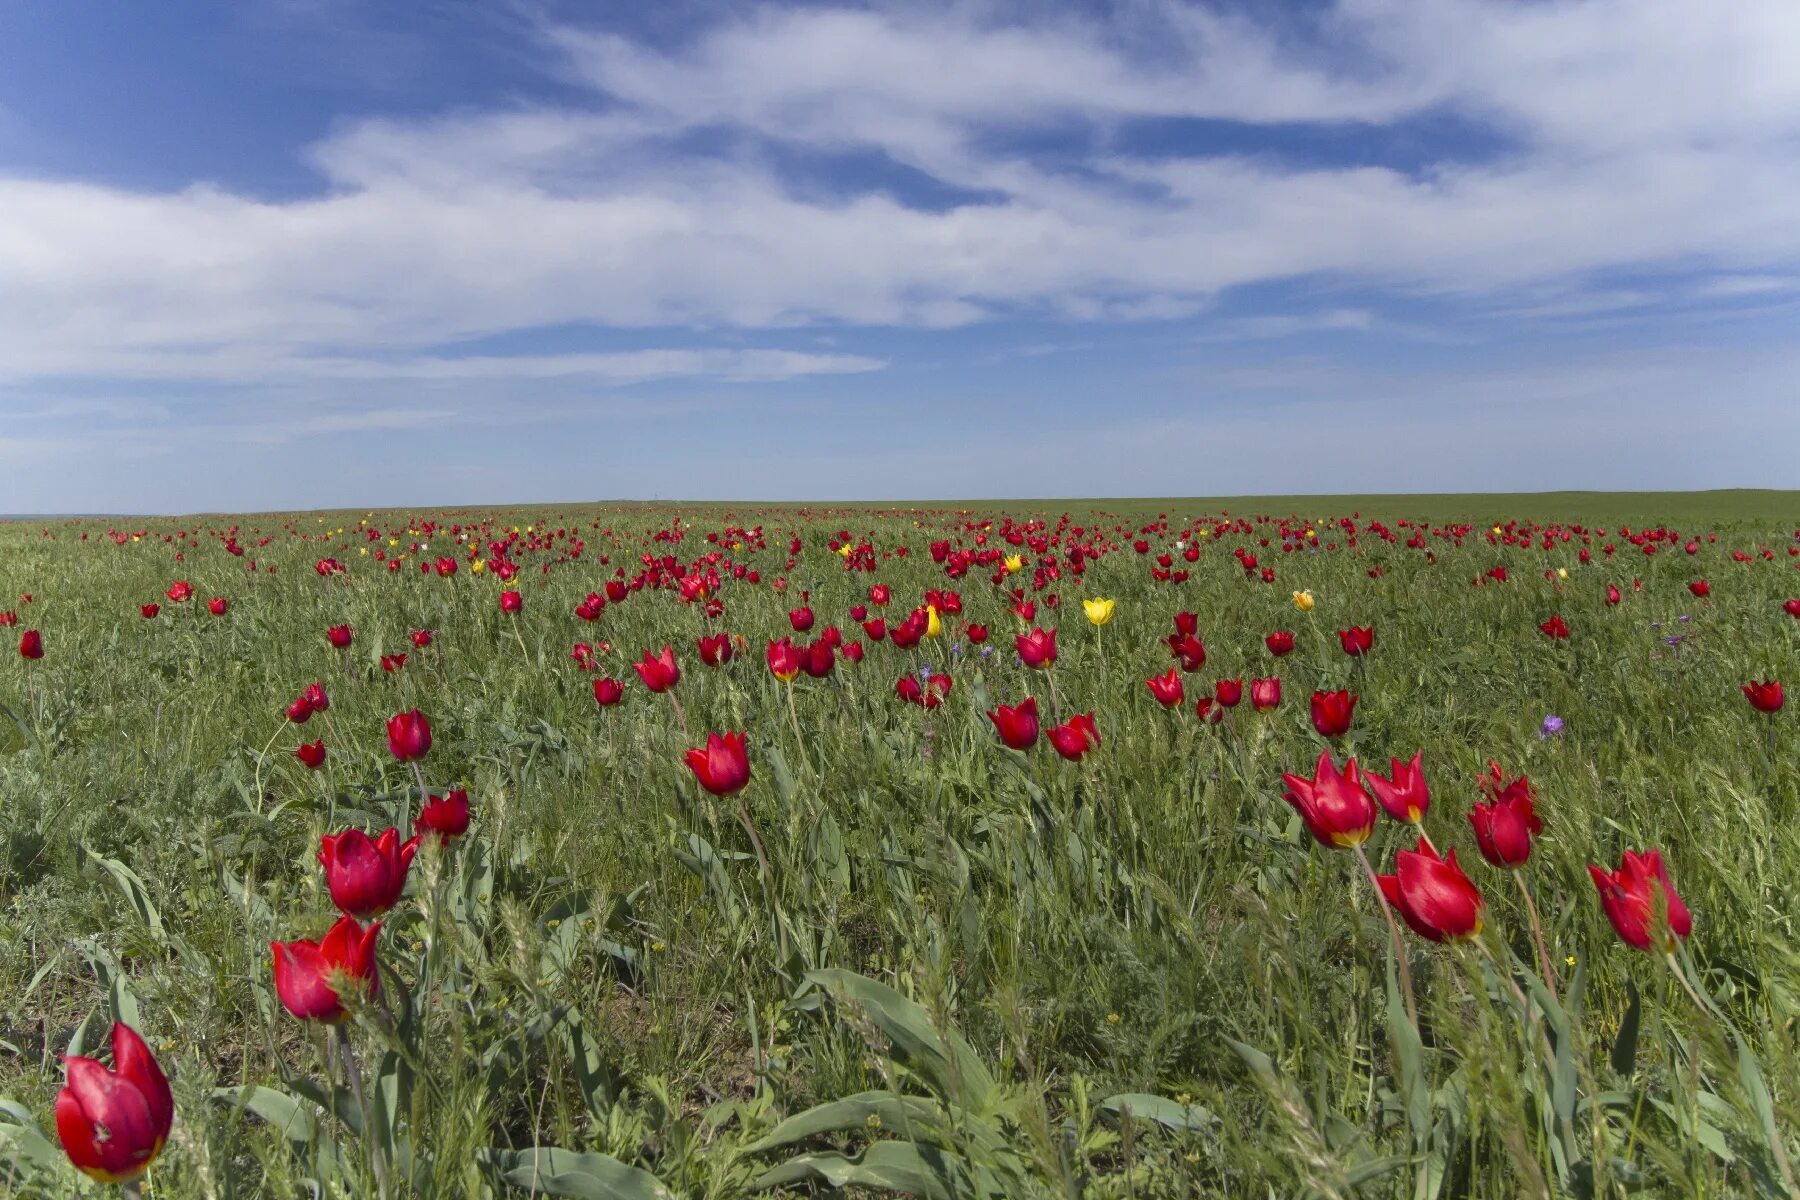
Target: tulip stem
[[680, 715], [799, 738], [1537, 933], [762, 859], [256, 785], [524, 654], [376, 1161], [1406, 986], [424, 795]]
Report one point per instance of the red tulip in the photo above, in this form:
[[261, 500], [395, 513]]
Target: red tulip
[[150, 611], [1189, 650], [1280, 643], [409, 735], [1700, 588], [366, 875], [421, 638], [31, 645], [977, 634], [8, 619], [875, 630], [314, 695], [716, 650], [1336, 810], [723, 767], [1075, 737], [878, 594], [1017, 726], [444, 817], [311, 754], [1503, 829], [511, 602], [1791, 607], [392, 662], [1037, 648], [927, 696], [1432, 895], [179, 591], [1613, 596], [801, 618], [1641, 903], [1265, 694], [785, 660], [818, 658], [113, 1124], [1166, 688], [1228, 692], [1555, 627], [1331, 713], [339, 636], [217, 606], [608, 692], [660, 673], [308, 975], [1405, 796], [1206, 707], [1187, 624], [1356, 640], [1765, 696], [852, 651]]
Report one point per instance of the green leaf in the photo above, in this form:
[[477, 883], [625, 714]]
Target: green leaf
[[911, 1117], [292, 1116], [915, 1170], [136, 893], [548, 1171], [1165, 1112], [946, 1061]]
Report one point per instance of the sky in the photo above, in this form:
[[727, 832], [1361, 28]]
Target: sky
[[268, 254]]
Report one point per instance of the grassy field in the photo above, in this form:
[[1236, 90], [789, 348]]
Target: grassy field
[[906, 957]]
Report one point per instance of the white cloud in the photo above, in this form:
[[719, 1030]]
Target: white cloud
[[1643, 134]]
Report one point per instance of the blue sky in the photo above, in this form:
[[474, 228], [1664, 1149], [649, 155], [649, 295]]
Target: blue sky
[[303, 253]]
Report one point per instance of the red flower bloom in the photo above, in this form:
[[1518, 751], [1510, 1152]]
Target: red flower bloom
[[313, 978], [179, 591], [311, 754], [1228, 692], [715, 650], [1037, 648], [511, 602], [928, 695], [314, 695], [392, 662], [785, 660], [608, 692], [878, 594], [977, 634], [723, 767], [150, 611], [217, 606], [1336, 810], [1265, 694], [31, 645], [1433, 896], [875, 629], [1280, 643], [1765, 696], [852, 651], [1331, 713], [1356, 640], [1791, 607], [660, 673], [1700, 588], [1613, 596], [1503, 829], [366, 875], [113, 1124], [1017, 726], [1166, 688], [1075, 737], [1555, 627], [1187, 624], [1405, 796], [1189, 650], [421, 638], [444, 817], [818, 658], [8, 619], [339, 636], [409, 735], [1641, 903]]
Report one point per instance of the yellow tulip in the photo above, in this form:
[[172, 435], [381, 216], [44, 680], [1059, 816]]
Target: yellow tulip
[[1303, 601], [933, 626], [1099, 612], [844, 550], [478, 566], [1014, 563], [1562, 572]]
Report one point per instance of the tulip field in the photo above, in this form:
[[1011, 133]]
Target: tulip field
[[1395, 847]]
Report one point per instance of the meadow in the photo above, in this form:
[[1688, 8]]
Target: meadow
[[946, 938]]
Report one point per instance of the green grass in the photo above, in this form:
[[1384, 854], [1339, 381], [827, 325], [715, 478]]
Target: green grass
[[600, 966]]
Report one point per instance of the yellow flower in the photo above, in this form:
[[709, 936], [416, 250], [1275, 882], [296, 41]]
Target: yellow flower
[[844, 550], [365, 552], [1014, 563], [1099, 612], [478, 566], [933, 626], [1303, 601], [1562, 572], [1112, 1018]]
